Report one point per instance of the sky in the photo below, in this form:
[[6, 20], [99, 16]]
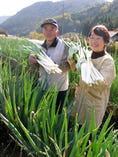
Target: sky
[[11, 7]]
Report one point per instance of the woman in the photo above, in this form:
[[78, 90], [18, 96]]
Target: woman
[[93, 100]]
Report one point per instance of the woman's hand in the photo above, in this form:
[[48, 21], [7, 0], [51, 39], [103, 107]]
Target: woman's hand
[[72, 64]]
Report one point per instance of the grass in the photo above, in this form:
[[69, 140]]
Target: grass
[[30, 115]]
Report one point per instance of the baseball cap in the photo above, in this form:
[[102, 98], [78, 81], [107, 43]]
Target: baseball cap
[[50, 21]]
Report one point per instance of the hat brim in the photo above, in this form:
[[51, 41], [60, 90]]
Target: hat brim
[[54, 24]]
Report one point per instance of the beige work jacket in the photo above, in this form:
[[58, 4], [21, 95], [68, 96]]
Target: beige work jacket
[[93, 100]]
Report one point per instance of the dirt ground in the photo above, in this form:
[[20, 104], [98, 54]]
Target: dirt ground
[[8, 148]]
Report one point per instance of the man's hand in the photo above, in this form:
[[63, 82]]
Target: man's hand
[[32, 59]]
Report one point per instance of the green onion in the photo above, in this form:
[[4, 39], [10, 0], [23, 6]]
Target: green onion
[[81, 56], [43, 59]]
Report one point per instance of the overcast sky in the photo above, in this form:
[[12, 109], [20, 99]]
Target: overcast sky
[[11, 7]]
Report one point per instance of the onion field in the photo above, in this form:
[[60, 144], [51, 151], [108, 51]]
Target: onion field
[[29, 113]]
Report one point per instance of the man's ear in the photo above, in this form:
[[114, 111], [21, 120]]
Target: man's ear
[[57, 31]]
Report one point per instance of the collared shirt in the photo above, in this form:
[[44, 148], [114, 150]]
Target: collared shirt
[[54, 43], [57, 52]]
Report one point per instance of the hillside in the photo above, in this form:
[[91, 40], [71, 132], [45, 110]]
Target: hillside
[[28, 18], [81, 21], [3, 18]]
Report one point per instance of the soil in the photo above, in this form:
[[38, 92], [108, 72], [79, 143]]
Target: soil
[[114, 118], [8, 147]]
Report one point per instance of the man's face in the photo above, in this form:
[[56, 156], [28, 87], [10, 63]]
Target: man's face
[[50, 32]]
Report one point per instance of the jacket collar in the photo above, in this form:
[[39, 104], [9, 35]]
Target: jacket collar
[[97, 54], [54, 43]]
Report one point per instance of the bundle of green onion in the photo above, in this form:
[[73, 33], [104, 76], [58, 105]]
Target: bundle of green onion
[[80, 54], [43, 59], [90, 74]]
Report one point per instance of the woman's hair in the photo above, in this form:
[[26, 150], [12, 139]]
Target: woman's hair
[[102, 31]]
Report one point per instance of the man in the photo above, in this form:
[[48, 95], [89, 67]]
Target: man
[[58, 52]]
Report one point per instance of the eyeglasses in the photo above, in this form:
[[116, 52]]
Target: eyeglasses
[[95, 38]]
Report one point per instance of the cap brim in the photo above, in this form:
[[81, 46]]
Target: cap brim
[[54, 24]]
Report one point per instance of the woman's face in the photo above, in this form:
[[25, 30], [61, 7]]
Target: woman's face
[[50, 32], [96, 42]]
